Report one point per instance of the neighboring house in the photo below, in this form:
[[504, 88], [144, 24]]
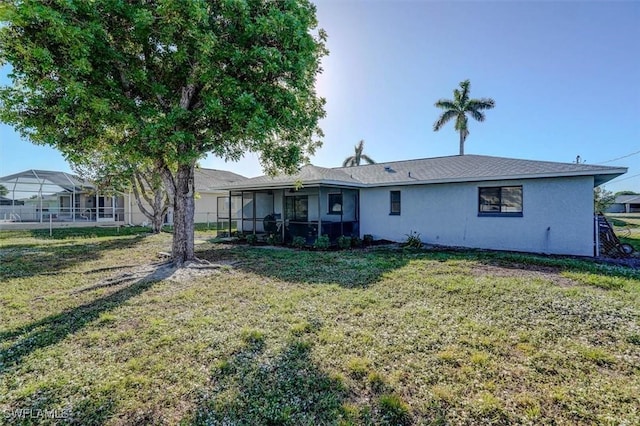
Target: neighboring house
[[206, 203], [625, 204], [469, 201], [42, 195]]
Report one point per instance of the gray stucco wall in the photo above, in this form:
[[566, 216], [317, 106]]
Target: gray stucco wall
[[557, 216]]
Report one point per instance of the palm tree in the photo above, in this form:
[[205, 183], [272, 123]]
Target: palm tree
[[358, 156], [458, 108]]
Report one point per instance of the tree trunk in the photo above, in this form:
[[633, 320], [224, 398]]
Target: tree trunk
[[462, 137], [183, 215], [142, 183], [158, 210]]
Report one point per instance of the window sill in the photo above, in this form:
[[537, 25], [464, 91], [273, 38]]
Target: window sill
[[394, 214], [485, 214], [334, 213]]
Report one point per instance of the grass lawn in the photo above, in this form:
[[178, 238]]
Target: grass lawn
[[298, 337]]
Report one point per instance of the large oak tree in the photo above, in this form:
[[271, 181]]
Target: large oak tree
[[168, 81]]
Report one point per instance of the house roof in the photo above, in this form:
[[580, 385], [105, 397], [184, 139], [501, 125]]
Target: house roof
[[210, 179], [627, 199], [457, 168], [309, 175]]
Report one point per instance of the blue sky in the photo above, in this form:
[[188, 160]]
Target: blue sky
[[564, 76]]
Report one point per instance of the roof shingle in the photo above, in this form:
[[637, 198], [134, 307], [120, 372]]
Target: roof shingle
[[457, 168]]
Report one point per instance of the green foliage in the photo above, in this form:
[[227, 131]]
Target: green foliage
[[358, 367], [322, 243], [367, 240], [344, 242], [3, 190], [298, 242], [356, 242], [167, 82], [626, 193], [376, 382], [252, 239], [357, 157], [274, 239], [602, 199], [394, 410], [254, 339], [634, 339], [459, 108], [413, 240], [598, 356]]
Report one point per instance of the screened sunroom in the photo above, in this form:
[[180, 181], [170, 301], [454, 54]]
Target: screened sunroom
[[286, 213], [43, 196]]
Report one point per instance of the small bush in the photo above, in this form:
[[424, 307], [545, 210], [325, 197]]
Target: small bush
[[344, 242], [376, 382], [367, 239], [356, 242], [358, 367], [322, 243], [252, 239], [394, 410], [634, 339], [254, 339], [597, 355], [298, 242], [413, 240], [274, 239]]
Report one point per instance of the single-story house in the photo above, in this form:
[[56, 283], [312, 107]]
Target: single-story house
[[471, 201], [206, 203], [625, 204], [43, 196]]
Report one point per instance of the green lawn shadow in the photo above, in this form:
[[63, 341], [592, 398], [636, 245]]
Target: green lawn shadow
[[54, 328], [26, 260], [286, 389]]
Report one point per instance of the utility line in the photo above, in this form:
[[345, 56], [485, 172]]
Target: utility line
[[620, 158]]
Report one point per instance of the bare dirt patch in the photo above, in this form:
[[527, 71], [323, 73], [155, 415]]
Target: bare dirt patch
[[162, 271], [547, 273]]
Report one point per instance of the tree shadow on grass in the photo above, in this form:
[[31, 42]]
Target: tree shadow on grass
[[20, 260], [19, 343], [350, 268], [288, 389]]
